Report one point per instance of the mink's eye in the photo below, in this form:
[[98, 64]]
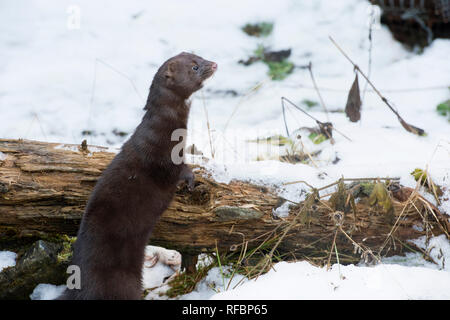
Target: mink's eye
[[195, 68]]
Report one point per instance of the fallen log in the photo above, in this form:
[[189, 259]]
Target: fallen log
[[44, 188]]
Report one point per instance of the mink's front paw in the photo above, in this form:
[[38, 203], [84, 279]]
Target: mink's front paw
[[188, 176], [190, 182]]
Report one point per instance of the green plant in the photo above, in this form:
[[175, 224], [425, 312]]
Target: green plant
[[317, 138], [309, 103], [184, 283], [280, 70], [444, 109], [259, 51]]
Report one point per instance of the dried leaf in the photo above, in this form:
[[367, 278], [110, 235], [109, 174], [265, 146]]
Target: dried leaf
[[411, 128], [353, 107], [326, 128]]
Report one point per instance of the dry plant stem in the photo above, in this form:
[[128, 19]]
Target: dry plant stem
[[320, 123], [308, 154], [208, 126], [256, 250], [337, 259], [366, 250], [369, 67], [123, 75], [426, 203], [299, 181], [94, 84], [306, 205], [342, 134], [35, 117], [435, 217], [253, 89], [317, 90], [331, 250], [371, 84], [431, 88], [413, 195], [298, 108], [426, 254], [353, 179], [431, 185], [239, 261]]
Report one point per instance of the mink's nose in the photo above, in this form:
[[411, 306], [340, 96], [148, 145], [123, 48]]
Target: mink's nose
[[214, 66]]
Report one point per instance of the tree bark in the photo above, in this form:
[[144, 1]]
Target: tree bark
[[44, 188]]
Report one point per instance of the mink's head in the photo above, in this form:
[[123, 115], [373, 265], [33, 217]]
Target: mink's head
[[184, 74]]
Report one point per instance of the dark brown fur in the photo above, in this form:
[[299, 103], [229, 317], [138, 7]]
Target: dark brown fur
[[136, 188]]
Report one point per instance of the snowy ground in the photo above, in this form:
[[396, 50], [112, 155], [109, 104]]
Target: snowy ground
[[59, 79]]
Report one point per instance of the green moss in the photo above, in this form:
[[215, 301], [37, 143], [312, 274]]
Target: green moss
[[38, 264], [12, 238], [65, 255]]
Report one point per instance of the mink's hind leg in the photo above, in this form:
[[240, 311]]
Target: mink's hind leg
[[116, 285], [187, 175]]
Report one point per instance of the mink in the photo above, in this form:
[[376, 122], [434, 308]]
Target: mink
[[136, 188]]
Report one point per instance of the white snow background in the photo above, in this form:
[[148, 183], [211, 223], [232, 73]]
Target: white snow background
[[59, 78]]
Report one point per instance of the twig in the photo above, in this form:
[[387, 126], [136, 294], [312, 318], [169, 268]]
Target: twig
[[208, 126], [306, 205], [405, 125], [298, 181], [331, 250], [307, 153], [91, 100], [253, 89], [367, 250], [406, 90], [319, 123], [369, 67], [123, 75], [355, 179], [317, 90], [94, 84], [394, 228]]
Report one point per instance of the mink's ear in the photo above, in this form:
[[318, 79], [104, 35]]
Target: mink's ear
[[170, 70]]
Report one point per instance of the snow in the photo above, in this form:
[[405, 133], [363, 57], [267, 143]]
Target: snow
[[7, 259], [302, 280], [217, 280], [157, 274], [45, 291], [59, 79], [438, 248]]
